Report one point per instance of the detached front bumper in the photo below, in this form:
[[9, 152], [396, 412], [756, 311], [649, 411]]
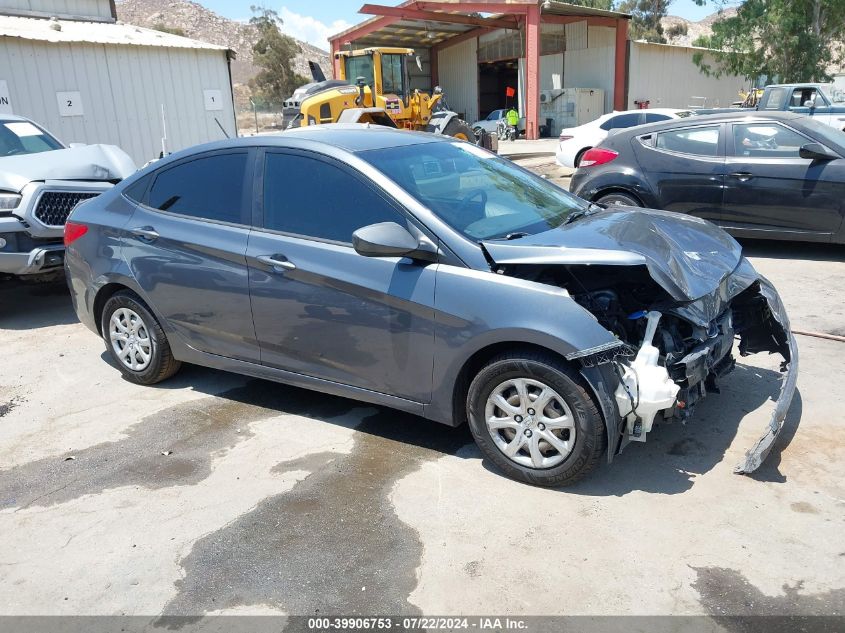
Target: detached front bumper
[[789, 350]]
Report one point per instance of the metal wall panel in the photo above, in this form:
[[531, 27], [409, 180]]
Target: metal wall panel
[[576, 36], [591, 68], [60, 8], [458, 72], [122, 89], [667, 76]]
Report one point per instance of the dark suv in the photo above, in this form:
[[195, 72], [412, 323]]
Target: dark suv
[[426, 274]]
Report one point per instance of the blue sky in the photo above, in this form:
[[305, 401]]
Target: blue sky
[[313, 20]]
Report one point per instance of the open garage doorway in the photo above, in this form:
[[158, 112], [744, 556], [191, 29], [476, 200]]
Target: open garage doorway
[[494, 81]]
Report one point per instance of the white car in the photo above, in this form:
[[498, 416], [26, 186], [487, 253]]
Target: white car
[[489, 123], [575, 141]]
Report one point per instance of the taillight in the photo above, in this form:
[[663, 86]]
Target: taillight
[[566, 138], [597, 156], [73, 231]]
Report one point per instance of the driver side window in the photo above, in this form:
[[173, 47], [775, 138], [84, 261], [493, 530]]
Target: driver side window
[[766, 140], [317, 199]]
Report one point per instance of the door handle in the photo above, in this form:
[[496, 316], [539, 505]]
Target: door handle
[[277, 262], [145, 232], [742, 176]]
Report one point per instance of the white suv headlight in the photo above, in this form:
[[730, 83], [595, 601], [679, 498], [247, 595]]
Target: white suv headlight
[[9, 201]]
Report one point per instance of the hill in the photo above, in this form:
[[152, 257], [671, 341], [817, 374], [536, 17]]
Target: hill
[[197, 22]]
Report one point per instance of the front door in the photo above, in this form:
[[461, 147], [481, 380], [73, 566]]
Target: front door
[[769, 187], [322, 310], [186, 246], [685, 168]]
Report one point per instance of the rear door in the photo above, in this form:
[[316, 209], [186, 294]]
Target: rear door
[[685, 168], [186, 246], [323, 310], [769, 187]]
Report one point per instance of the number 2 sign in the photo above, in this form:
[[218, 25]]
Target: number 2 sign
[[70, 104]]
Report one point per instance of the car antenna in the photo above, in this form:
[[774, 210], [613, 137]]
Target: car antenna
[[163, 133], [222, 129]]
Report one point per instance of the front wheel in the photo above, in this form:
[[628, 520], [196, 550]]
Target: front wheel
[[532, 416], [460, 130], [135, 340]]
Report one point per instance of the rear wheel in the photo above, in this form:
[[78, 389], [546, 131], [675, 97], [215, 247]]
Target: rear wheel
[[620, 199], [135, 340], [460, 130], [531, 415]]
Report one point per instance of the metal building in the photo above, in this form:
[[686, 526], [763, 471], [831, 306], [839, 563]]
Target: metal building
[[69, 65], [549, 53]]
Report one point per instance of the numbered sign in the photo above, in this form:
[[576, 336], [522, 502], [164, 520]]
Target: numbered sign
[[70, 104], [213, 99], [5, 99]]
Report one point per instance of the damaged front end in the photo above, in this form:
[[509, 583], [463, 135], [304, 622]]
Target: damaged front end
[[674, 332]]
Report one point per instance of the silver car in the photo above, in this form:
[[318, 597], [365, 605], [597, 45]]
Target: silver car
[[426, 274]]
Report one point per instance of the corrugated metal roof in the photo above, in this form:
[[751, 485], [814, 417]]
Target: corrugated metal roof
[[66, 31]]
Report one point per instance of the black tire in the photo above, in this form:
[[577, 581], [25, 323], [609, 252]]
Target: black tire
[[580, 155], [161, 364], [620, 199], [590, 435], [459, 129]]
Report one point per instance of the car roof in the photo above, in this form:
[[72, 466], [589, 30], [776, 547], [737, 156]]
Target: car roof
[[12, 117], [704, 119]]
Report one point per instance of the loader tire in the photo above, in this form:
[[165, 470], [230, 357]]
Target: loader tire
[[460, 130]]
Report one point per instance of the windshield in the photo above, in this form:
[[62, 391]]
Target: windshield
[[22, 137], [361, 66], [834, 94], [475, 192]]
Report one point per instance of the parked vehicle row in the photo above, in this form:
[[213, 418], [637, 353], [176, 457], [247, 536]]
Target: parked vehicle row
[[771, 175], [429, 275], [574, 142]]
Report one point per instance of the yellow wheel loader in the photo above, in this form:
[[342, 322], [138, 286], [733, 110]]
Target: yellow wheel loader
[[377, 91]]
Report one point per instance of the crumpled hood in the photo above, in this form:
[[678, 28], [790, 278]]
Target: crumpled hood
[[687, 256], [90, 162]]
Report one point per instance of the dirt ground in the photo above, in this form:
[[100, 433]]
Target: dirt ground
[[215, 493]]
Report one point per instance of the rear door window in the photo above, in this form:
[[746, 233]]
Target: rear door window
[[695, 141], [210, 188], [622, 121]]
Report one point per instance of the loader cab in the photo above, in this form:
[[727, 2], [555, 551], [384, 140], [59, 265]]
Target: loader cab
[[385, 70]]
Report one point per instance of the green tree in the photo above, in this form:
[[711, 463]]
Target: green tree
[[273, 52], [787, 39], [607, 5], [646, 16]]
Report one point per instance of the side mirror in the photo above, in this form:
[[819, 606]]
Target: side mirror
[[809, 103], [419, 63], [388, 239], [816, 151]]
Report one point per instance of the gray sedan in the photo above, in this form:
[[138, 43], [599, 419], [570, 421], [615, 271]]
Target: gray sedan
[[425, 274]]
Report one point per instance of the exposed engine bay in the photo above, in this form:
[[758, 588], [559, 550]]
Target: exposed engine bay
[[670, 354]]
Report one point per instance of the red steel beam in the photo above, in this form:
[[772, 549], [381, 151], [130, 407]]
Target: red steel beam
[[364, 30], [621, 65], [476, 7], [532, 73], [405, 13]]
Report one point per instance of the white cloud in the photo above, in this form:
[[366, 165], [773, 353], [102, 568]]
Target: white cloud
[[309, 29]]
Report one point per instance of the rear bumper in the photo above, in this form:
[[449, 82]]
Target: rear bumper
[[38, 260]]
